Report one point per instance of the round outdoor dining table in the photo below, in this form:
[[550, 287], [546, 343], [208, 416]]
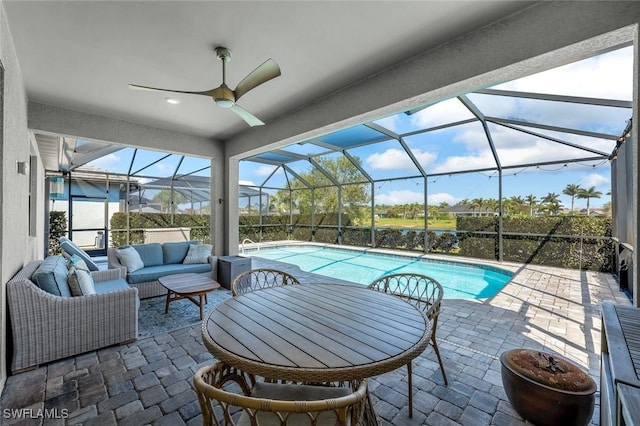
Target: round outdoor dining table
[[316, 332]]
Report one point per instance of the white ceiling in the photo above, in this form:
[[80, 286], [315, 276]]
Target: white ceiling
[[81, 55]]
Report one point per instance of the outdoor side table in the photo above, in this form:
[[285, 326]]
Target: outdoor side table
[[230, 267]]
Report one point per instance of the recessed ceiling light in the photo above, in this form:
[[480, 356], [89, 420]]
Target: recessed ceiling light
[[172, 101]]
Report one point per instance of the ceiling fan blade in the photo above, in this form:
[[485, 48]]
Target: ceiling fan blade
[[156, 89], [251, 119], [265, 72]]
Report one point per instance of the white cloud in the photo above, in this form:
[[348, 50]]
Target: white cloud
[[264, 170], [612, 71], [397, 159], [108, 162], [442, 197], [443, 112], [405, 196], [594, 179], [391, 123], [164, 168], [513, 148]]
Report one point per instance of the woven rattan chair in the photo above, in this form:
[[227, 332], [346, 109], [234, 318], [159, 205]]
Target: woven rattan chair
[[423, 292], [256, 279], [230, 397]]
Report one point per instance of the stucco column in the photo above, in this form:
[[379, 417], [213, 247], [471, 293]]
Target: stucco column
[[230, 206]]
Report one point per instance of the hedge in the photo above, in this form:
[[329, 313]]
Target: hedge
[[565, 241], [199, 225], [57, 229]]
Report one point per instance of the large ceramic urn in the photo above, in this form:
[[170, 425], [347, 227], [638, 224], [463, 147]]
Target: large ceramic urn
[[546, 389]]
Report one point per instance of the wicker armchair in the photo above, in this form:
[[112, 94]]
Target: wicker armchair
[[256, 279], [423, 292], [231, 397]]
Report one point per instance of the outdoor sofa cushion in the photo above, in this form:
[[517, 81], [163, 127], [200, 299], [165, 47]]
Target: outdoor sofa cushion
[[69, 247], [150, 253], [198, 253], [111, 285], [175, 252], [152, 273], [130, 258], [52, 276]]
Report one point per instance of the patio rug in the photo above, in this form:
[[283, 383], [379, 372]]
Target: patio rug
[[182, 313]]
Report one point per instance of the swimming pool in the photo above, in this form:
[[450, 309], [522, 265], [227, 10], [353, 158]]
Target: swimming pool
[[459, 280]]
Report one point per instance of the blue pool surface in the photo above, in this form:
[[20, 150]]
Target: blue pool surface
[[459, 280]]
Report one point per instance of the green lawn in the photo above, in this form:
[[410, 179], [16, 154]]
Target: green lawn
[[416, 223]]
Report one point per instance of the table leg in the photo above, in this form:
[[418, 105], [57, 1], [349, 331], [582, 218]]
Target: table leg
[[166, 306], [201, 306]]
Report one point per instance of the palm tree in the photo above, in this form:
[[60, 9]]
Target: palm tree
[[589, 194], [531, 200], [552, 201], [476, 203], [513, 204], [572, 190], [492, 204]]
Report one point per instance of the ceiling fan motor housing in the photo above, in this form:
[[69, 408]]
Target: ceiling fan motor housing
[[223, 96]]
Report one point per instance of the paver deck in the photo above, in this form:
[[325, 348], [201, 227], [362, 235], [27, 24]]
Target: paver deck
[[149, 381]]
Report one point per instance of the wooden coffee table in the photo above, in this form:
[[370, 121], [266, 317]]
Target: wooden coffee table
[[188, 286]]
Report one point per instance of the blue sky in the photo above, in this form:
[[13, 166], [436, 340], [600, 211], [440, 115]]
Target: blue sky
[[608, 76]]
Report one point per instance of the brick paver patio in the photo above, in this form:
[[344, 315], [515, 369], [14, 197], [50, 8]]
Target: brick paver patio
[[149, 381]]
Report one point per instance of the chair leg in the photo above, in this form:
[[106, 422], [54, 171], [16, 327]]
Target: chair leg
[[410, 380], [437, 351]]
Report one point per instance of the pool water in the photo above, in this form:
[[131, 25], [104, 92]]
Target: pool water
[[459, 280]]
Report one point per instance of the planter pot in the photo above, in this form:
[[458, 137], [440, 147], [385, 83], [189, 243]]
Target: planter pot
[[546, 389]]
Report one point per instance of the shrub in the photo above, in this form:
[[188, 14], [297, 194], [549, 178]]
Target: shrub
[[57, 229], [564, 241]]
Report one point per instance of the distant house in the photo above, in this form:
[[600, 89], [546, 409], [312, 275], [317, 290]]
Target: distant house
[[465, 210], [593, 212]]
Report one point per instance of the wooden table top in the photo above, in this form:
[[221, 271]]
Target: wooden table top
[[190, 283], [316, 332]]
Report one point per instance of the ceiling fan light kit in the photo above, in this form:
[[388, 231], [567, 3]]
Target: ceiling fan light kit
[[222, 95]]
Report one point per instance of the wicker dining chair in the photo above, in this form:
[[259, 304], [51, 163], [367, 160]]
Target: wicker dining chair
[[230, 397], [423, 292], [256, 279]]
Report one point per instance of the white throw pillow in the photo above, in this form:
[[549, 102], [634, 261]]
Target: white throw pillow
[[198, 253], [80, 282], [130, 258]]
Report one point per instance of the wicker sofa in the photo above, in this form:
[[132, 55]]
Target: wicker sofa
[[45, 327], [160, 260]]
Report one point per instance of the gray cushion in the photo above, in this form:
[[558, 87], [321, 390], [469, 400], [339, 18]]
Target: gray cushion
[[68, 246], [52, 275], [175, 252], [198, 253], [293, 393], [152, 273], [151, 254]]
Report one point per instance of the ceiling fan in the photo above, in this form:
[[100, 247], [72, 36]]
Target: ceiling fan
[[227, 98]]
